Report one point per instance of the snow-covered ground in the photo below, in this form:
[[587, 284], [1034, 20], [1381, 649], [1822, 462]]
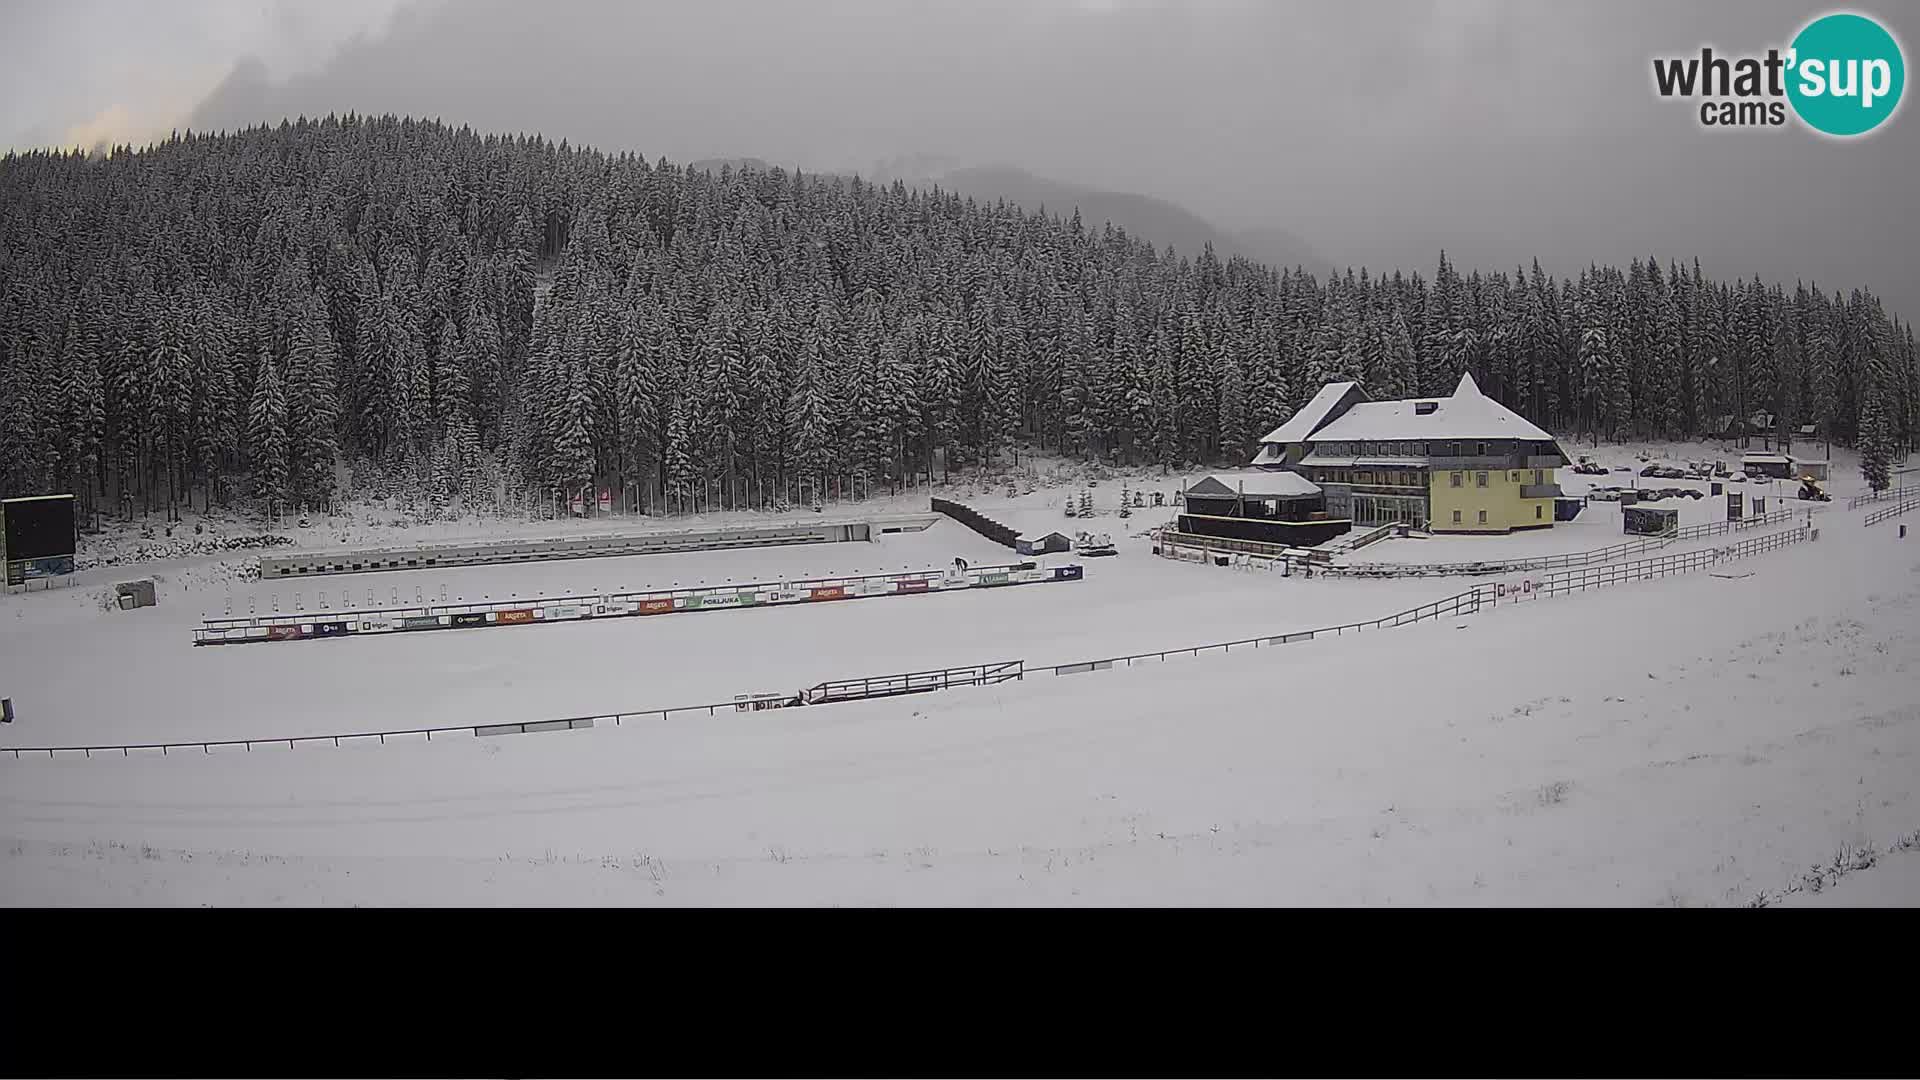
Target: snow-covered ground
[[1133, 603], [1696, 740]]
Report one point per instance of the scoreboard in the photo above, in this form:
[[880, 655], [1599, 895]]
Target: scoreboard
[[38, 537]]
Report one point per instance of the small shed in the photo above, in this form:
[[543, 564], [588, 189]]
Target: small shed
[[1043, 544], [134, 594], [1566, 508], [1773, 466], [1818, 470], [1650, 520]]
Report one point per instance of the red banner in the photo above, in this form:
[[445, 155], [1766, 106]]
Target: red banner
[[516, 615], [835, 592], [655, 607]]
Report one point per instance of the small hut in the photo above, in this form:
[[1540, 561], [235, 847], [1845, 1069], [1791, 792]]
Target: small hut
[[1043, 544], [1646, 520], [1772, 466]]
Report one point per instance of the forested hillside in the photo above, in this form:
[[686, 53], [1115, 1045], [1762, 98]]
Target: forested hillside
[[228, 317]]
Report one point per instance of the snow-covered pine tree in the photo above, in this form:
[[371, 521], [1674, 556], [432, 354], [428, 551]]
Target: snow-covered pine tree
[[1876, 442], [267, 432]]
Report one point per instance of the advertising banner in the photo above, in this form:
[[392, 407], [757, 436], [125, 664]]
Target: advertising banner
[[21, 571]]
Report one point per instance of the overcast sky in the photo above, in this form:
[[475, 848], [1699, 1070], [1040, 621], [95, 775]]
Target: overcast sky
[[1379, 131]]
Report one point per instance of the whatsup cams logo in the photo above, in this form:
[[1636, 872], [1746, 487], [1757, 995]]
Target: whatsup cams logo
[[1842, 75]]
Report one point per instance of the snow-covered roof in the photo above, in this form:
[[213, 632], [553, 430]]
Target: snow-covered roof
[[1269, 452], [1266, 484], [1770, 459], [1311, 415], [1468, 414]]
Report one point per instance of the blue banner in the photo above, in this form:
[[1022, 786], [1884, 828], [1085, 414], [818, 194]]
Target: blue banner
[[21, 571]]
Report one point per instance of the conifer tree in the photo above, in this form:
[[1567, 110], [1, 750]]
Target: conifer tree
[[267, 432]]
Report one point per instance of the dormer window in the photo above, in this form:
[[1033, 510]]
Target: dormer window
[[1423, 408]]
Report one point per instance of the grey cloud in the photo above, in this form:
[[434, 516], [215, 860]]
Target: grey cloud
[[1379, 132]]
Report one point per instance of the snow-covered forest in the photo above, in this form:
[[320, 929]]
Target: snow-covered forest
[[225, 318]]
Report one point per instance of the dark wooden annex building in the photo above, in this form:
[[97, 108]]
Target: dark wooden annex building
[[1267, 506]]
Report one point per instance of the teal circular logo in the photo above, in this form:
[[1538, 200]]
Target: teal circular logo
[[1847, 74]]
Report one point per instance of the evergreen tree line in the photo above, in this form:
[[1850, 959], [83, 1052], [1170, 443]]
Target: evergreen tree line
[[235, 317]]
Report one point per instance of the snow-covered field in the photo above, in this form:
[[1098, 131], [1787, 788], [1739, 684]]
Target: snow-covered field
[[1698, 740]]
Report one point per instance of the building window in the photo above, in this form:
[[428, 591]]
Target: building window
[[1483, 517], [1515, 476], [1456, 479], [1482, 452], [1456, 517], [1480, 479], [1536, 476], [1536, 512]]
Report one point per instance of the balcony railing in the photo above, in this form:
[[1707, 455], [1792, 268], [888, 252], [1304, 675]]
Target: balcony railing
[[1540, 491], [1489, 463]]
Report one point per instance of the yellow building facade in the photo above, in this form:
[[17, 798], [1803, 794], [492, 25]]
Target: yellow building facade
[[1491, 500]]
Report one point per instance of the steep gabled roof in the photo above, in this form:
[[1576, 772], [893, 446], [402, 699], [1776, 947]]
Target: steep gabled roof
[[1313, 414], [1468, 414]]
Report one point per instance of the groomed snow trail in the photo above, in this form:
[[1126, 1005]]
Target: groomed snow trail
[[1689, 741]]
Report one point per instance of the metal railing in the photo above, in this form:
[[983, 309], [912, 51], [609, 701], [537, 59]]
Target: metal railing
[[1544, 562], [1376, 534], [1878, 516], [830, 692], [1466, 603], [1169, 538], [913, 682], [1570, 560], [1580, 580], [1880, 496], [423, 734], [1715, 528]]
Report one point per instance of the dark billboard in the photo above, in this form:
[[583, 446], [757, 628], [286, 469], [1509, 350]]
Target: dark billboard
[[38, 537]]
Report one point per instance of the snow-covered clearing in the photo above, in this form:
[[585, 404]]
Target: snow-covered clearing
[[1694, 740], [1134, 603]]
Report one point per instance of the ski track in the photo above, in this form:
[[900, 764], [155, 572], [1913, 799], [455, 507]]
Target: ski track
[[1690, 741]]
